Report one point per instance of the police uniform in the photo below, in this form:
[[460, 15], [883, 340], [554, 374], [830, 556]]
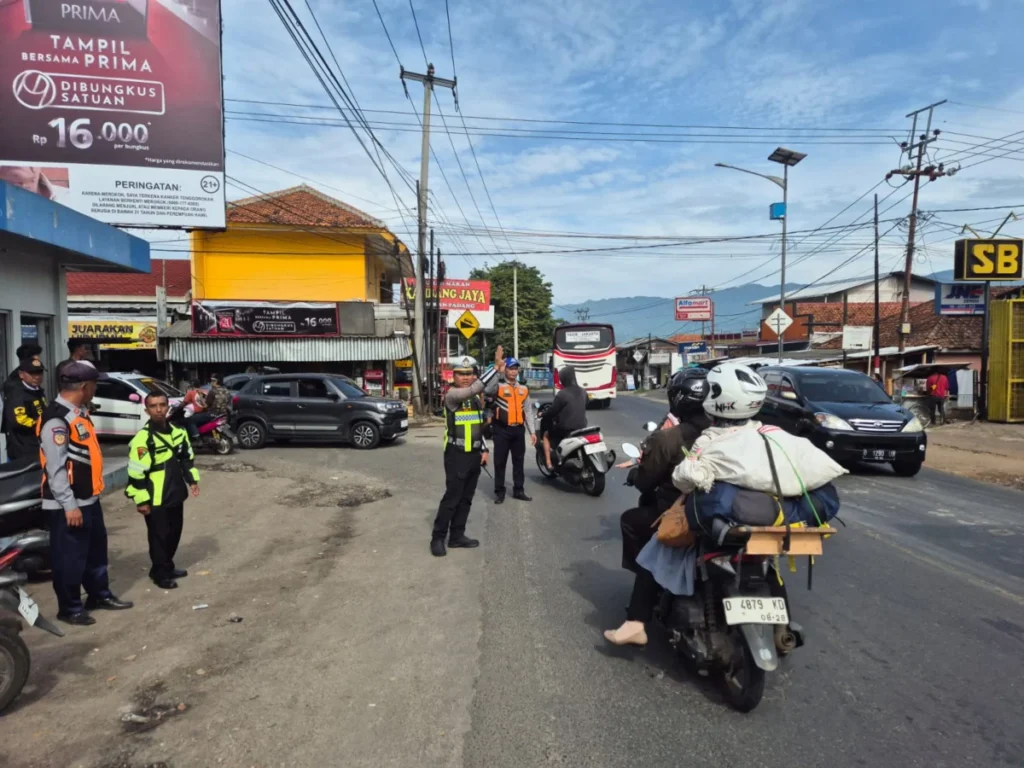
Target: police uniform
[[160, 472], [73, 481], [23, 407], [511, 423], [464, 446]]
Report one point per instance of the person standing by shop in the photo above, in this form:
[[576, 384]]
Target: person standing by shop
[[160, 478], [938, 389], [71, 488], [80, 352], [465, 452], [511, 423], [24, 405]]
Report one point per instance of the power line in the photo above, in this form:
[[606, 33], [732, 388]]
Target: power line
[[418, 35]]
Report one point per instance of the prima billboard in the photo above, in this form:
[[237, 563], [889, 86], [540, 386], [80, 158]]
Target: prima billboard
[[115, 108]]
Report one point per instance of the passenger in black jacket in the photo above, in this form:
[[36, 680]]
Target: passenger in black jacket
[[662, 451], [566, 414]]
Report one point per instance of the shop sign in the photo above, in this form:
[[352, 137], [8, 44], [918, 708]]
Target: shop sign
[[452, 294], [266, 319], [115, 334]]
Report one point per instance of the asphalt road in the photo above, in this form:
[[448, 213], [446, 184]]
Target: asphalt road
[[915, 636]]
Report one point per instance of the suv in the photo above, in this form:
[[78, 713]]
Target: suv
[[321, 406], [846, 414]]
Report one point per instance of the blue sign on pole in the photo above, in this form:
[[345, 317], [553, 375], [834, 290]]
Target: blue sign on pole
[[693, 347], [777, 211]]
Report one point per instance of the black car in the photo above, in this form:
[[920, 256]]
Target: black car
[[846, 414], [314, 406]]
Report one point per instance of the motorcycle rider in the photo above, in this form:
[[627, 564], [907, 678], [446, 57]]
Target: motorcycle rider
[[663, 450], [567, 413]]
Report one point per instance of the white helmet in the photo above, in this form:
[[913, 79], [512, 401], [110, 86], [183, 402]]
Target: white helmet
[[736, 392]]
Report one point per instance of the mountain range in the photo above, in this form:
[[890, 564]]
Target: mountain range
[[636, 316]]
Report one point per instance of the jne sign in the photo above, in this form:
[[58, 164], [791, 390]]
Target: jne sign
[[959, 299]]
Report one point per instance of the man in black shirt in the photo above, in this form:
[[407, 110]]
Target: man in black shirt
[[24, 403]]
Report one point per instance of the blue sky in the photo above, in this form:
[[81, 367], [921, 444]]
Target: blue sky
[[792, 67]]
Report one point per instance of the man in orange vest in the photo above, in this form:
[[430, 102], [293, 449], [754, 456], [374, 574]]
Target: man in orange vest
[[511, 423], [71, 488]]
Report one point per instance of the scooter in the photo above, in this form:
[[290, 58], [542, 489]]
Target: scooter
[[216, 435], [736, 624], [582, 458], [21, 510], [15, 660]]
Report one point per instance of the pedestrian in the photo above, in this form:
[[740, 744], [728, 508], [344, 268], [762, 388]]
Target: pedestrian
[[24, 405], [71, 487], [511, 423], [219, 398], [465, 452], [937, 386], [160, 478], [80, 352]]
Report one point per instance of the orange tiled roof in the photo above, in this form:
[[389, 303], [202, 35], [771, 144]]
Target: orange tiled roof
[[300, 206]]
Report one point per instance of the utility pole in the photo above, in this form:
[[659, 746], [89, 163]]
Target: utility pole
[[877, 331], [782, 277], [515, 311], [429, 81], [932, 172], [428, 329]]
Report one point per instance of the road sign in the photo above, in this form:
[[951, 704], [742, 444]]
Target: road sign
[[694, 308], [467, 324], [638, 355], [989, 260], [778, 321]]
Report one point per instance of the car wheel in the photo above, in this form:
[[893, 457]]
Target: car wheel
[[907, 467], [252, 435], [365, 435]]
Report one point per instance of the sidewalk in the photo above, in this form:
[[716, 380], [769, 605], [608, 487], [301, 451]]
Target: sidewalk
[[993, 453]]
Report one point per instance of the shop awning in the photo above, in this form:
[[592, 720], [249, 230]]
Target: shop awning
[[326, 349]]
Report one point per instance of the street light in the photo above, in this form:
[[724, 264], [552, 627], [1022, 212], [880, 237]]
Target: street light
[[787, 158]]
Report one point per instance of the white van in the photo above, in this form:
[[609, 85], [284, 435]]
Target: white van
[[120, 399]]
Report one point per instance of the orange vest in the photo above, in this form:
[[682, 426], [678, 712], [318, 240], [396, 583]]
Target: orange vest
[[84, 459], [509, 402]]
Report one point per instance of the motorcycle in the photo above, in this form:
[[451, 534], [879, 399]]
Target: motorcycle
[[736, 624], [15, 660], [582, 458], [21, 510], [215, 435]]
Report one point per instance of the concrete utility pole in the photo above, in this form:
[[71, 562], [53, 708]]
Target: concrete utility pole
[[932, 172], [877, 332], [515, 312], [429, 81]]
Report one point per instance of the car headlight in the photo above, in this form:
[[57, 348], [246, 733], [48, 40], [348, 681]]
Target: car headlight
[[830, 421], [914, 425]]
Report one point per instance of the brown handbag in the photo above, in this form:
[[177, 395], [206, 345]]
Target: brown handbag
[[673, 527]]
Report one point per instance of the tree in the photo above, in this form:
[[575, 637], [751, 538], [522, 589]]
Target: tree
[[536, 323]]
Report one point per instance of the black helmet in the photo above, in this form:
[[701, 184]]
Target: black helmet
[[686, 392]]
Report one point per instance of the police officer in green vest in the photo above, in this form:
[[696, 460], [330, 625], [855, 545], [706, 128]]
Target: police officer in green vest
[[465, 452], [160, 476]]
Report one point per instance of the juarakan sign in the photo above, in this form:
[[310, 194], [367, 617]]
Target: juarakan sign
[[115, 334], [453, 294]]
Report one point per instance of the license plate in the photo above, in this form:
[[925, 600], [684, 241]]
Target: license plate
[[871, 454], [595, 448], [27, 607], [755, 610], [403, 423]]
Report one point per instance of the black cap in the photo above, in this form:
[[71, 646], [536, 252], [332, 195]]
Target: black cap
[[80, 371], [31, 365]]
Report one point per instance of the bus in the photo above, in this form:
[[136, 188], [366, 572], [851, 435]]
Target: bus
[[590, 349]]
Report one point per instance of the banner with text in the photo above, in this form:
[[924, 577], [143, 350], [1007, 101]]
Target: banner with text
[[694, 308], [264, 318], [114, 108], [454, 294], [114, 334], [959, 299]]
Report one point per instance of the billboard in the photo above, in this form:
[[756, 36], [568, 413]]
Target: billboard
[[454, 294], [114, 334], [988, 260], [694, 308], [953, 299], [115, 108], [236, 319]]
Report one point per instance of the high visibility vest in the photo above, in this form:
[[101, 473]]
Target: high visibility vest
[[148, 455], [84, 460], [464, 427], [509, 402]]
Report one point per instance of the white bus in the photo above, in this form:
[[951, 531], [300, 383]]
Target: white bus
[[590, 349]]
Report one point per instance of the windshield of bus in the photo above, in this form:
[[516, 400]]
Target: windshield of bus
[[582, 339]]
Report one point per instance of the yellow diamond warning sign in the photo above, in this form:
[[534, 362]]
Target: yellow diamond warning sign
[[467, 324]]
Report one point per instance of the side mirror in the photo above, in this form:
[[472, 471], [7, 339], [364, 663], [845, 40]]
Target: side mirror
[[333, 396], [790, 396], [631, 450], [651, 426], [135, 398]]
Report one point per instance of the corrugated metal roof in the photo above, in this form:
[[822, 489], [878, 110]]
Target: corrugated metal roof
[[312, 350]]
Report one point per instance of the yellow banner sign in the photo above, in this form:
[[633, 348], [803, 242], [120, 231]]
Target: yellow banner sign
[[115, 334], [989, 260]]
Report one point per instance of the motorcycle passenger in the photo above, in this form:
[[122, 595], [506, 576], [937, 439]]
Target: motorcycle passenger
[[567, 413], [219, 398], [663, 450]]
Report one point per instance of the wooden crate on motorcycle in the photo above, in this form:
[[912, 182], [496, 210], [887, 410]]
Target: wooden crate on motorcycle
[[770, 540]]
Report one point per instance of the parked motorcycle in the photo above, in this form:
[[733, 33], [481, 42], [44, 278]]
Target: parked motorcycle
[[214, 435], [21, 510], [736, 624], [15, 660], [582, 458]]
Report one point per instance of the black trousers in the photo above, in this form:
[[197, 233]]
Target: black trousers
[[163, 525], [644, 598], [79, 558], [636, 532], [938, 405], [509, 439], [461, 472]]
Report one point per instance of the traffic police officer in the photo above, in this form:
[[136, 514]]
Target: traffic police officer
[[160, 474], [465, 452], [511, 423], [23, 406], [72, 484]]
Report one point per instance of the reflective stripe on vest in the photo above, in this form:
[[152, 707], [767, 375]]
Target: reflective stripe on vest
[[509, 401], [463, 427]]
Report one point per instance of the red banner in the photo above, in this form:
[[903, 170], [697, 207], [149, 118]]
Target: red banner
[[454, 294]]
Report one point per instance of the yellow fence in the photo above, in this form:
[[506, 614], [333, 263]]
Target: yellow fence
[[1006, 361]]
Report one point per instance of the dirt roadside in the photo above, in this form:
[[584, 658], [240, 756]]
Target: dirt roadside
[[993, 453], [355, 646]]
